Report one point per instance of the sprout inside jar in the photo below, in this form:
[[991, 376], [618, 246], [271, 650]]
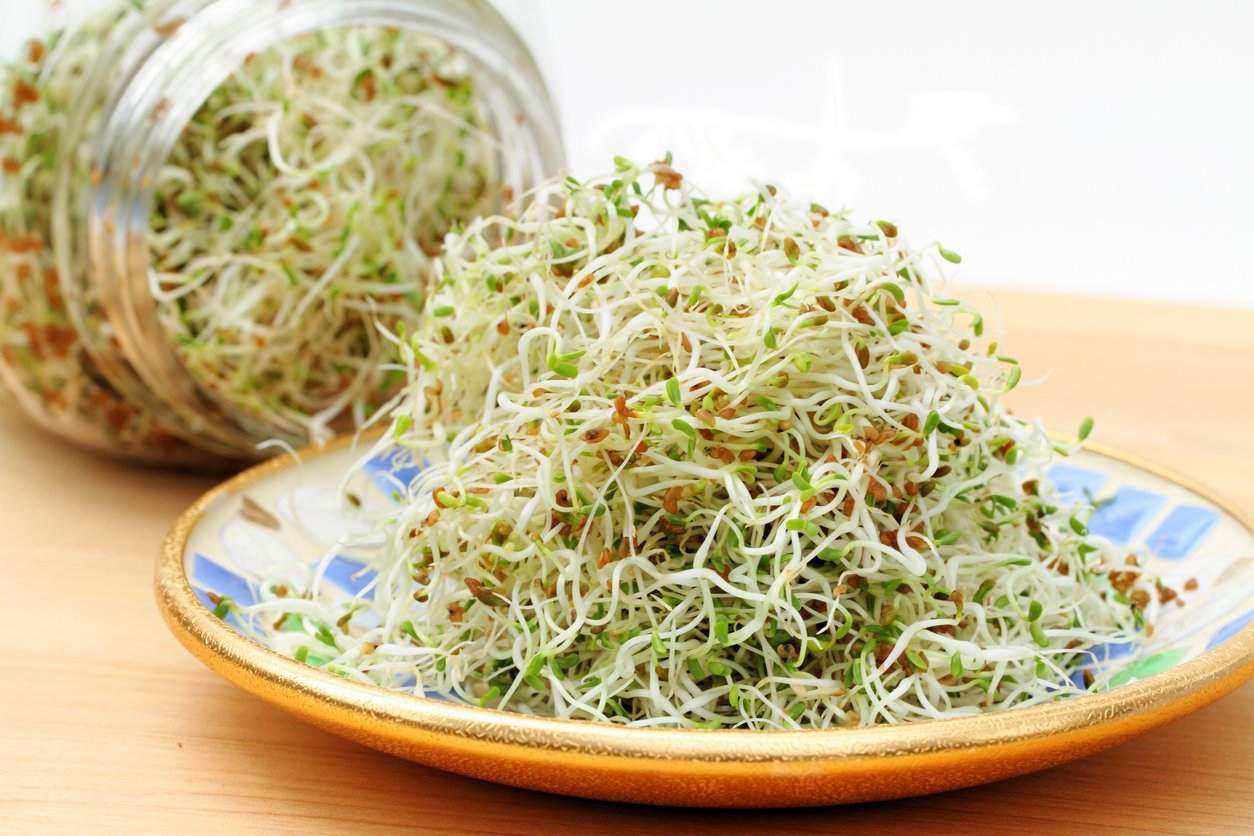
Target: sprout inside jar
[[212, 209]]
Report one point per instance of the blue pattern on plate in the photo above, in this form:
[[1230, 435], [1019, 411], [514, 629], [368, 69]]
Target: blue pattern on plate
[[224, 582], [349, 575], [207, 575], [1229, 630], [1074, 482], [1101, 654], [1122, 519], [392, 467], [1113, 650], [1182, 531]]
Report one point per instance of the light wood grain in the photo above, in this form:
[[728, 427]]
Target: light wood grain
[[106, 724]]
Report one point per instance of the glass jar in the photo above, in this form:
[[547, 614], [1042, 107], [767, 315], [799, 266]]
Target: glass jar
[[216, 216]]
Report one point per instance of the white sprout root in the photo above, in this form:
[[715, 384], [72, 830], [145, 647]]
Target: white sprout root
[[717, 463]]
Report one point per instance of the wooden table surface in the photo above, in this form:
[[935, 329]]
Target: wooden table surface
[[107, 724]]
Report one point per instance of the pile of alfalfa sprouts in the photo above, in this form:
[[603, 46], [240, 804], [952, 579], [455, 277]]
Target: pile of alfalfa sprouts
[[302, 204], [714, 463]]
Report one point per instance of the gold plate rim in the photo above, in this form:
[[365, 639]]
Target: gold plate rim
[[1091, 722]]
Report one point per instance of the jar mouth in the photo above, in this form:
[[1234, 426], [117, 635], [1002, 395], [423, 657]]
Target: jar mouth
[[170, 70]]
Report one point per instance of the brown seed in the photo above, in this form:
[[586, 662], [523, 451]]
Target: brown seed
[[605, 558], [667, 177], [685, 342], [1190, 584], [670, 500], [168, 28], [596, 436], [484, 595], [620, 406], [254, 513], [24, 93], [502, 327], [877, 489], [705, 417]]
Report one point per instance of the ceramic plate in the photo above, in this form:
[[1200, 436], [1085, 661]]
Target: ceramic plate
[[285, 511]]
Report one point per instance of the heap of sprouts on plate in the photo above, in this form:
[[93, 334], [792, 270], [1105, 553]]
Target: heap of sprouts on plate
[[702, 462], [301, 205]]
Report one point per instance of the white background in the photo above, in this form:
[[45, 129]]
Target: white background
[[1103, 148]]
